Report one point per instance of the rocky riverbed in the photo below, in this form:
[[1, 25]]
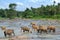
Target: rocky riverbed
[[17, 23]]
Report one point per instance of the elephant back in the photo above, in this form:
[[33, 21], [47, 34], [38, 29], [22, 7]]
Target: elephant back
[[51, 27], [42, 27], [25, 28], [35, 27], [9, 31]]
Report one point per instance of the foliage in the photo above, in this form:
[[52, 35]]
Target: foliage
[[49, 11]]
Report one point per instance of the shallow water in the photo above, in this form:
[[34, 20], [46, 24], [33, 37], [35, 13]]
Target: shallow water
[[17, 24]]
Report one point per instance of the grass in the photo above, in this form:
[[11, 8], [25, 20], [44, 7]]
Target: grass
[[3, 18], [37, 18], [44, 18]]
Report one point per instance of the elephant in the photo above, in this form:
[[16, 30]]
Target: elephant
[[34, 26], [25, 28], [42, 29], [8, 32], [51, 28], [39, 28]]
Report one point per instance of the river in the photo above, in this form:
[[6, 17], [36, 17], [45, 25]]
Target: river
[[34, 35]]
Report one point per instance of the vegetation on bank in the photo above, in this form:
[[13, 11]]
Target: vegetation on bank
[[48, 11]]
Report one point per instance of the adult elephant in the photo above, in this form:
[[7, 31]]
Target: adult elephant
[[26, 29], [8, 32], [51, 28], [42, 29], [39, 28]]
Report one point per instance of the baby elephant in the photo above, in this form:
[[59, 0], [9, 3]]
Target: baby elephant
[[51, 28], [26, 29], [8, 32], [42, 29]]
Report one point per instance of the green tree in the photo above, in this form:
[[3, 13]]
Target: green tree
[[2, 13], [12, 6], [12, 11], [28, 13]]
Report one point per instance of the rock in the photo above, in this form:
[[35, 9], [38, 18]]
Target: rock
[[18, 38]]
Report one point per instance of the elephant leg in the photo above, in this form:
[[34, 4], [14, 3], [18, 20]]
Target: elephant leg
[[13, 33], [49, 30], [28, 30], [34, 29], [46, 31], [23, 30], [38, 30], [41, 31], [5, 33], [54, 30], [10, 35]]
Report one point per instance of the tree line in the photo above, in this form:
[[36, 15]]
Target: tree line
[[48, 11]]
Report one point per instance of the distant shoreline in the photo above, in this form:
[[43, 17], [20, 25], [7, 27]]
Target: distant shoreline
[[29, 19]]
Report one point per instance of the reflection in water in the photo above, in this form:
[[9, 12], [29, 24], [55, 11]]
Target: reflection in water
[[16, 26]]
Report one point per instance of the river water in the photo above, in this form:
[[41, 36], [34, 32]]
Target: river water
[[34, 35]]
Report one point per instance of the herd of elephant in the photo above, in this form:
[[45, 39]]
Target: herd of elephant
[[39, 29]]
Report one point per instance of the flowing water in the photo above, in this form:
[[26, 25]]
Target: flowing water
[[34, 35]]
